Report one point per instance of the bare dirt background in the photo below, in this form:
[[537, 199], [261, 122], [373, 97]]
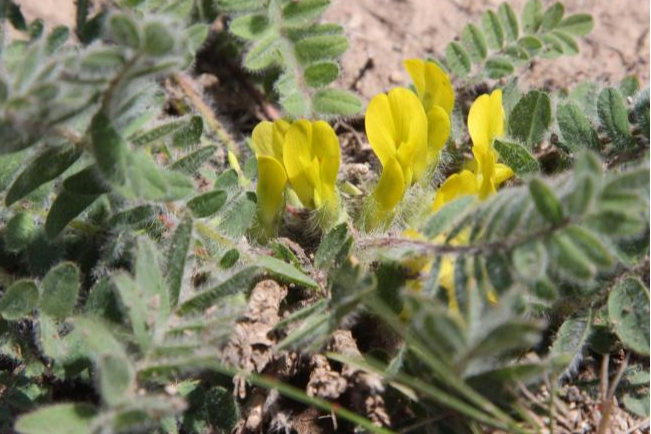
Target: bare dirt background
[[384, 32]]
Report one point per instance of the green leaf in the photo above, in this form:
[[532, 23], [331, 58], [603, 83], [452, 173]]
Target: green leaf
[[472, 39], [614, 117], [567, 41], [530, 261], [263, 53], [103, 58], [207, 204], [140, 216], [553, 16], [592, 247], [577, 25], [569, 258], [196, 35], [517, 157], [517, 54], [145, 180], [509, 21], [116, 379], [576, 130], [531, 117], [334, 247], [189, 134], [616, 222], [158, 41], [493, 30], [629, 86], [19, 300], [229, 259], [532, 16], [637, 403], [9, 165], [15, 16], [240, 6], [59, 290], [237, 218], [498, 67], [109, 148], [124, 31], [531, 43], [321, 74], [336, 102], [570, 339], [284, 271], [578, 202], [546, 201], [96, 336], [249, 27], [55, 40], [242, 281], [177, 254], [157, 133], [49, 164], [20, 230], [457, 59], [585, 94], [321, 47], [191, 163], [628, 311], [296, 14], [447, 216], [58, 419], [553, 47], [641, 112], [65, 208]]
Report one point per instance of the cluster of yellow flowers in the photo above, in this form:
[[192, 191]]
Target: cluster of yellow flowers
[[407, 131], [304, 155]]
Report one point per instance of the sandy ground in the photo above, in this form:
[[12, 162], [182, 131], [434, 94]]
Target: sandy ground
[[388, 31]]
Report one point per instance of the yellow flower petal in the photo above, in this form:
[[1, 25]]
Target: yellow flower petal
[[311, 155], [326, 149], [446, 280], [432, 84], [396, 126], [380, 128], [271, 185], [502, 173], [485, 172], [486, 120], [391, 186], [438, 131], [268, 138], [457, 185]]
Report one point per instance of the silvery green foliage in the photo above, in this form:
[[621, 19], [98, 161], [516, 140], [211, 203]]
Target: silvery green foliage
[[501, 42], [122, 276], [287, 34]]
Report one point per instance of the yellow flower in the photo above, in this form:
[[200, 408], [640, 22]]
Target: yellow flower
[[268, 140], [486, 120], [423, 265], [485, 124], [457, 185], [311, 155], [436, 93], [396, 127]]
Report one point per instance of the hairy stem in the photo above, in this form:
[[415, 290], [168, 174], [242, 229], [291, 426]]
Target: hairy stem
[[206, 112]]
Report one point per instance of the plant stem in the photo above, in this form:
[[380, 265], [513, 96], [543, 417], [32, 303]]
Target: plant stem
[[206, 112], [607, 399], [464, 249]]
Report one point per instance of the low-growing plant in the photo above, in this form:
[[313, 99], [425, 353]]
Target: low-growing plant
[[160, 274]]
